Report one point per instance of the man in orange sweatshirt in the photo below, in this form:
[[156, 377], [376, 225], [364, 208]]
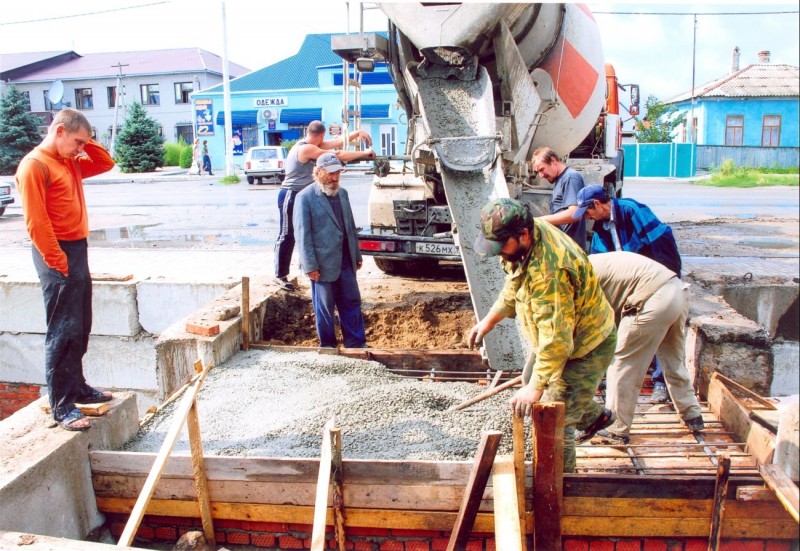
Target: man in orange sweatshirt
[[49, 181]]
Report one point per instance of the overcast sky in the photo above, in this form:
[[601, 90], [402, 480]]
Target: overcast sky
[[654, 51]]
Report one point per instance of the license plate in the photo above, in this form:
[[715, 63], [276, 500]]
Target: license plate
[[437, 248]]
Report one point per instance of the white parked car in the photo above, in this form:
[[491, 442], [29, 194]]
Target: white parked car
[[265, 164], [5, 196]]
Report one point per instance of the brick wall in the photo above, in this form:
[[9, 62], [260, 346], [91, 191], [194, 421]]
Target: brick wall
[[15, 396], [276, 535]]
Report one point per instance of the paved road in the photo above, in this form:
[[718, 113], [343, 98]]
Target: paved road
[[195, 229]]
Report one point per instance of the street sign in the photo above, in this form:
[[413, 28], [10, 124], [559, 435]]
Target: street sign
[[335, 130]]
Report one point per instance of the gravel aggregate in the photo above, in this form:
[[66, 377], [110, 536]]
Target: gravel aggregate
[[264, 403]]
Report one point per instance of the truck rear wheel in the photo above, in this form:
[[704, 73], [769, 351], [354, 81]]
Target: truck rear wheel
[[416, 267]]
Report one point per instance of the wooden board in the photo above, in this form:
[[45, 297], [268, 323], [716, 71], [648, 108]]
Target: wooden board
[[91, 410], [111, 277]]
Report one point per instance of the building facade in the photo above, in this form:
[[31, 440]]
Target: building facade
[[275, 104], [104, 85]]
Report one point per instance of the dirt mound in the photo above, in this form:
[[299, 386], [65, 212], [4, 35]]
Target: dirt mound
[[397, 317]]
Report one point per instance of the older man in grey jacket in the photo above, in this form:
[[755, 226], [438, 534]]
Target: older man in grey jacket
[[650, 305], [326, 238]]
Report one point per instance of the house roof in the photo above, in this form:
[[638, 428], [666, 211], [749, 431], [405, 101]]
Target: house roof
[[296, 72], [13, 66], [102, 65], [757, 80]]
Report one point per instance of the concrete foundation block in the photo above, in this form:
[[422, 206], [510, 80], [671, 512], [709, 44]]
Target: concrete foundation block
[[787, 446], [182, 298], [785, 367], [111, 362], [45, 479], [114, 310]]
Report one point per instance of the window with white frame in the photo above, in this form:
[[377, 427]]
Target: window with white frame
[[150, 94], [771, 131]]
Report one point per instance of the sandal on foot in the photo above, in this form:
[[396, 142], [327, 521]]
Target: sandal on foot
[[75, 421], [96, 396]]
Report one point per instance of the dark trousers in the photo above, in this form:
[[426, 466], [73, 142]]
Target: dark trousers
[[68, 307], [344, 296], [284, 245], [207, 163]]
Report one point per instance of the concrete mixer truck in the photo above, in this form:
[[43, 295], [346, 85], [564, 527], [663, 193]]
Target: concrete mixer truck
[[483, 85]]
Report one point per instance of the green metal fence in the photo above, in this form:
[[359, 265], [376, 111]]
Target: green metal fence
[[659, 160]]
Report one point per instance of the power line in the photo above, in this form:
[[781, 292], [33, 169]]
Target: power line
[[693, 13], [84, 14]]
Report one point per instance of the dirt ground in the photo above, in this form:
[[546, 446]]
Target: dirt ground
[[424, 314]]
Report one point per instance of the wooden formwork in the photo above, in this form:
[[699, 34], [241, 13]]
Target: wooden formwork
[[665, 483]]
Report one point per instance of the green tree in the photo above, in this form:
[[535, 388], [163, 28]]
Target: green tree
[[140, 145], [19, 130], [659, 123]]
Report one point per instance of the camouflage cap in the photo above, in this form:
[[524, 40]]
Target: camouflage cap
[[500, 219]]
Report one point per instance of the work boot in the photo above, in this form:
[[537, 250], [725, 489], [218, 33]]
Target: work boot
[[284, 284], [695, 423], [613, 437], [660, 394], [606, 418]]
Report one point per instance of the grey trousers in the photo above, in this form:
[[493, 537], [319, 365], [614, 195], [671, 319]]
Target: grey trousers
[[658, 328]]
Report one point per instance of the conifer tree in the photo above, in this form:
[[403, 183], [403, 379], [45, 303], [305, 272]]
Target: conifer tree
[[140, 145], [19, 130]]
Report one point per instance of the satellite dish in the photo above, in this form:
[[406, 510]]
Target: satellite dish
[[56, 92]]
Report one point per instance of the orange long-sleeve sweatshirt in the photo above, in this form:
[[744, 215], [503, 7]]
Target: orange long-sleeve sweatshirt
[[52, 198]]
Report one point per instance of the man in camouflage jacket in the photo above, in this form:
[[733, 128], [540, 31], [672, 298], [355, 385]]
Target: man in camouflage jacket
[[551, 288]]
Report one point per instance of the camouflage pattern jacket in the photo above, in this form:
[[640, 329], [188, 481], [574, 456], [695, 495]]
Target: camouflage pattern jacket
[[560, 305]]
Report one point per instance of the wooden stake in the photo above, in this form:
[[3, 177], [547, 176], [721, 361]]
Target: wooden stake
[[245, 313], [473, 493], [160, 462], [720, 492], [548, 473], [507, 528], [783, 486], [199, 471], [338, 490], [518, 434], [323, 488]]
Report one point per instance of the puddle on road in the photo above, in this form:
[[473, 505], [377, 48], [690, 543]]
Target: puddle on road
[[145, 235], [769, 242]]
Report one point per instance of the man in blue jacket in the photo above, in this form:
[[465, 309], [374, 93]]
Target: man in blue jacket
[[326, 238], [627, 225]]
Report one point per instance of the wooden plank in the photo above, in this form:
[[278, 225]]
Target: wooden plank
[[548, 472], [614, 508], [518, 435], [36, 542], [245, 313], [338, 493], [654, 527], [730, 383], [507, 527], [718, 510], [104, 276], [783, 486], [199, 468], [91, 410], [496, 378], [323, 489], [126, 538], [755, 493], [484, 457]]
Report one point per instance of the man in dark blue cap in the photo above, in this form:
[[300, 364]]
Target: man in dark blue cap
[[627, 225]]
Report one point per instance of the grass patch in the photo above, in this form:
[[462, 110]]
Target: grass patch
[[730, 176], [232, 179]]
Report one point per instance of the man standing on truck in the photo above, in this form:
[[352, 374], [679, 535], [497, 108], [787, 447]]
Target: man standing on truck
[[627, 225], [299, 174], [550, 285], [567, 182], [50, 183]]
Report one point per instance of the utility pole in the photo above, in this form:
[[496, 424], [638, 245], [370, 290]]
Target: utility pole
[[116, 105], [226, 98]]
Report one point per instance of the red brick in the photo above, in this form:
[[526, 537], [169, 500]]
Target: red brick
[[374, 532], [778, 546], [219, 536], [418, 546], [575, 545], [741, 545], [601, 545], [390, 545], [271, 527], [474, 545], [229, 524], [305, 528], [366, 546], [145, 532], [237, 538], [202, 328], [696, 545], [262, 540], [439, 544], [673, 545], [166, 533], [400, 533], [655, 545], [290, 542], [629, 545], [491, 545], [333, 544], [117, 528]]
